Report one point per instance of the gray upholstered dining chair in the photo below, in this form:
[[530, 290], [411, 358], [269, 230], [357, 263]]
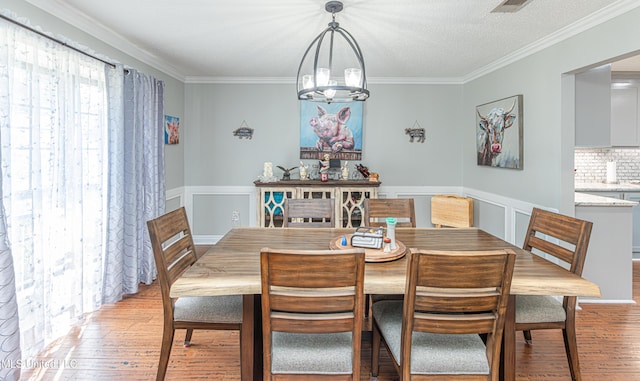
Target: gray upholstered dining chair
[[435, 332], [312, 313], [565, 239], [309, 213], [174, 252]]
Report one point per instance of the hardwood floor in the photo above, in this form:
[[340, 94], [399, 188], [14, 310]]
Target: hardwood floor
[[122, 341]]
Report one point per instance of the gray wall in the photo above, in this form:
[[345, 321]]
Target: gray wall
[[208, 154], [216, 157], [547, 177], [174, 88]]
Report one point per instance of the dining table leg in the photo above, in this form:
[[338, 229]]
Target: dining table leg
[[508, 352], [250, 344], [257, 338]]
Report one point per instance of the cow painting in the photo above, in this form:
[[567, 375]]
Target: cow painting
[[492, 147]]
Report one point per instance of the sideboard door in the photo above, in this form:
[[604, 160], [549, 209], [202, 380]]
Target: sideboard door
[[351, 204], [271, 201]]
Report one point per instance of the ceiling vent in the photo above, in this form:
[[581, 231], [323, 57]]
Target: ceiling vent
[[510, 6]]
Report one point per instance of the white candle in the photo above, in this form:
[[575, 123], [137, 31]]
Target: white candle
[[268, 169]]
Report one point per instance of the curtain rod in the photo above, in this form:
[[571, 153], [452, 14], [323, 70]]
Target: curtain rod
[[56, 40]]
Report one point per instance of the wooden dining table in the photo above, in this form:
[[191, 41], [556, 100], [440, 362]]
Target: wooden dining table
[[232, 266]]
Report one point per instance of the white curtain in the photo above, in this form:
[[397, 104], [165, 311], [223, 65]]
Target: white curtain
[[78, 180], [10, 352], [53, 158], [136, 177]]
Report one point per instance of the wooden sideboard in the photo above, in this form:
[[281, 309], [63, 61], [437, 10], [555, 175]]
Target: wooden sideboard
[[349, 196]]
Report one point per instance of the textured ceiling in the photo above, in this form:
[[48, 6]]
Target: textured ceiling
[[408, 40]]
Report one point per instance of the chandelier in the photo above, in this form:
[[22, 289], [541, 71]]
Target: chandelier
[[335, 71]]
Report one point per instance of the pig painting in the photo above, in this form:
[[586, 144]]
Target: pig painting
[[331, 129]]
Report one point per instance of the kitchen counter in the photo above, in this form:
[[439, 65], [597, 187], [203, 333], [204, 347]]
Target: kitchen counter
[[584, 199], [604, 187]]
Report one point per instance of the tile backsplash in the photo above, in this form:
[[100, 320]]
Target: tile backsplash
[[591, 164]]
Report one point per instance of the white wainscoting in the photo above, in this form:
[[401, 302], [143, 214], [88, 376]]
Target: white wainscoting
[[210, 207], [218, 202]]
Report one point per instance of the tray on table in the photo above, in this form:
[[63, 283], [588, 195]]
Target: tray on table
[[371, 255]]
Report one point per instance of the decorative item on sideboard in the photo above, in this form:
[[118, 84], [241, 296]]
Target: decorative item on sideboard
[[324, 168], [364, 171], [286, 173], [304, 175], [344, 171], [267, 173]]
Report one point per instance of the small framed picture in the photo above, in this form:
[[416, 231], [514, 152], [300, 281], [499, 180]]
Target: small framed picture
[[171, 129]]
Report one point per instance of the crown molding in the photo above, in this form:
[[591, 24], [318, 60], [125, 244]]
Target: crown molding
[[292, 80], [584, 24], [91, 26], [96, 29], [239, 80]]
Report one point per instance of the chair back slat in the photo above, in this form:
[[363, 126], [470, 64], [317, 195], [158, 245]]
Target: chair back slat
[[538, 245], [454, 324], [376, 211], [174, 251], [564, 228], [322, 269], [479, 269], [301, 302], [467, 304], [309, 213], [571, 233], [312, 323]]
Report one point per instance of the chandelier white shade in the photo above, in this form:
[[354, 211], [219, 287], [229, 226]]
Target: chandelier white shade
[[332, 68]]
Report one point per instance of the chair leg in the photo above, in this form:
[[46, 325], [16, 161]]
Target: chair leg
[[165, 352], [187, 338], [367, 304], [571, 348], [527, 337], [375, 351]]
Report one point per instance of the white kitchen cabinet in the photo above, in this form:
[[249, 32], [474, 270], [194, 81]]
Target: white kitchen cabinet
[[593, 107], [635, 196], [625, 131]]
